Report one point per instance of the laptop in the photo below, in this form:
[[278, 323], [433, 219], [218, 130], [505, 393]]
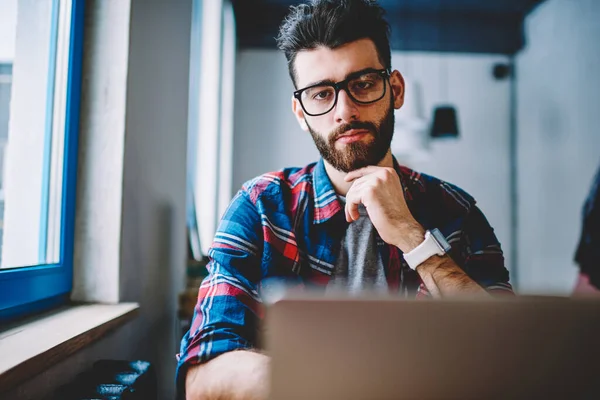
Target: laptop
[[382, 348]]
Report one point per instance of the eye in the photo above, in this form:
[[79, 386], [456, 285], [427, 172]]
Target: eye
[[322, 95], [363, 85]]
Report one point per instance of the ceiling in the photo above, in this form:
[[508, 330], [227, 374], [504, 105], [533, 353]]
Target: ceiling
[[465, 26]]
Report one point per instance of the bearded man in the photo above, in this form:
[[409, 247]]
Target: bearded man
[[356, 220]]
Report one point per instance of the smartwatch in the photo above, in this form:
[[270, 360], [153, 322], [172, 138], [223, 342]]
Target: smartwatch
[[434, 244]]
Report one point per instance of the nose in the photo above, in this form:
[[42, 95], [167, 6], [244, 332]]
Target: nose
[[346, 109]]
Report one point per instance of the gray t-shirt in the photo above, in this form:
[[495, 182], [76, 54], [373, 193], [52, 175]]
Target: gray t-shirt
[[359, 267]]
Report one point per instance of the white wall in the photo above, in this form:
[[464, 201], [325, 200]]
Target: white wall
[[267, 136], [153, 249], [559, 139], [478, 161], [100, 153]]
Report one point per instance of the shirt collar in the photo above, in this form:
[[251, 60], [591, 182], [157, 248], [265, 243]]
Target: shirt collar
[[326, 200]]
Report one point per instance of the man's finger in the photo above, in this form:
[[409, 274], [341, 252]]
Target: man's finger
[[352, 213], [361, 172], [352, 202]]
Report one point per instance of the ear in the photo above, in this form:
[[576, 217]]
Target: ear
[[299, 113], [397, 84]]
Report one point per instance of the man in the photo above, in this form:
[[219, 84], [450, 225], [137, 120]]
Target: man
[[588, 251], [354, 220]]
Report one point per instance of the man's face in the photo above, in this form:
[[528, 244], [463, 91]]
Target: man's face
[[351, 135]]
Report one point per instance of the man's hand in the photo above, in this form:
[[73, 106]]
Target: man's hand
[[237, 375], [380, 191]]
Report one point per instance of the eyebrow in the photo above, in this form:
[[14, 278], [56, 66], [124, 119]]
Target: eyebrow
[[351, 75]]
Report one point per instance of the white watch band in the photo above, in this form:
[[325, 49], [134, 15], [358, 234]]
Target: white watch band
[[428, 248]]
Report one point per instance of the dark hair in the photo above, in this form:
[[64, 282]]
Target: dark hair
[[333, 23]]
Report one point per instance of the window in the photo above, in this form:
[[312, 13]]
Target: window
[[40, 79], [210, 138], [227, 106]]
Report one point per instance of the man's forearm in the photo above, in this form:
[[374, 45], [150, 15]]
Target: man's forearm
[[443, 277], [238, 375]]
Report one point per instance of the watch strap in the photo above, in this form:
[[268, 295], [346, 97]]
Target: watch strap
[[428, 248]]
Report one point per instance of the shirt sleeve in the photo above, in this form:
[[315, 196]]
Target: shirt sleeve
[[482, 254], [588, 250], [228, 309]]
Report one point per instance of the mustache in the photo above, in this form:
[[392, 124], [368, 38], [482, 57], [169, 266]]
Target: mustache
[[353, 125]]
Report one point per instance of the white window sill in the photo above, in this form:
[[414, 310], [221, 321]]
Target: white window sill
[[36, 345]]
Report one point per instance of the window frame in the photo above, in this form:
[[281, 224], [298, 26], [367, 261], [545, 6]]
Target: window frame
[[30, 289]]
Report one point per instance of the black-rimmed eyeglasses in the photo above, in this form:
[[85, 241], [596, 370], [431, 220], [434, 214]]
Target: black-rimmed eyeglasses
[[365, 88]]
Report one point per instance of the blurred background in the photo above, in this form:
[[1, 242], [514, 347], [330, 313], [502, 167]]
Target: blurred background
[[519, 76], [182, 101]]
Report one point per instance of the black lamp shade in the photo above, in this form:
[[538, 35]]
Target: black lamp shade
[[445, 122]]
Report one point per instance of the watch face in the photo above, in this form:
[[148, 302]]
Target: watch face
[[439, 237]]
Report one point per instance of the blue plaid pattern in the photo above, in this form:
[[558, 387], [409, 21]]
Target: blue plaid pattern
[[289, 225]]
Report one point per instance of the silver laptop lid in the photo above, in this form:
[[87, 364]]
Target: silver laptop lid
[[346, 349]]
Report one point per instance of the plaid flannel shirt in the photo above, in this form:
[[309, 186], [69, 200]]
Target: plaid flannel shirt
[[289, 225]]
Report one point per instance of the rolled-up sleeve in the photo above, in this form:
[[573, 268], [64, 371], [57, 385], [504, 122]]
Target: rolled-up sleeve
[[228, 308], [483, 256]]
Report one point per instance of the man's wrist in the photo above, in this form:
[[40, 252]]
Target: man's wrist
[[410, 235], [432, 264]]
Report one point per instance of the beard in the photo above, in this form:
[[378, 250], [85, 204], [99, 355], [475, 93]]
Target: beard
[[357, 154]]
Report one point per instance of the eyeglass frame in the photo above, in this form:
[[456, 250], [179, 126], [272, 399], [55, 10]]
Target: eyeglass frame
[[343, 85]]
